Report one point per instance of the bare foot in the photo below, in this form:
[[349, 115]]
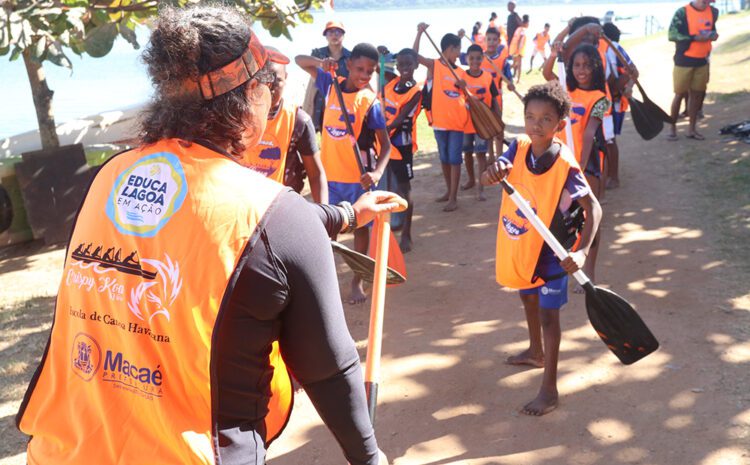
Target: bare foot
[[469, 184], [613, 183], [443, 198], [452, 205], [526, 358], [405, 244], [544, 403], [357, 294]]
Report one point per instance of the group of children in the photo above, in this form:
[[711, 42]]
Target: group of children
[[557, 164]]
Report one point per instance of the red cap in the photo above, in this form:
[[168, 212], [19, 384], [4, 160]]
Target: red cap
[[276, 56], [234, 74], [334, 25]]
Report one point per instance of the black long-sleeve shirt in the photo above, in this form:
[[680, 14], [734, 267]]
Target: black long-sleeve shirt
[[288, 290]]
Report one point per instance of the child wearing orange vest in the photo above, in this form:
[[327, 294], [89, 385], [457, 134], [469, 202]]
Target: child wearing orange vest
[[345, 182], [402, 102], [480, 84], [546, 173], [541, 40], [518, 46], [496, 63], [449, 113]]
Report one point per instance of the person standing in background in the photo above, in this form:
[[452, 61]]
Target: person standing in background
[[514, 21], [334, 33]]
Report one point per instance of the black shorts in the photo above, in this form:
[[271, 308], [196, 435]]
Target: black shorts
[[402, 169]]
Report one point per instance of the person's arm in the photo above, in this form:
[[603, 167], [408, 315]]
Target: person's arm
[[311, 65], [307, 145], [577, 37], [576, 260], [501, 167], [678, 29], [405, 111], [428, 63], [375, 120], [549, 65]]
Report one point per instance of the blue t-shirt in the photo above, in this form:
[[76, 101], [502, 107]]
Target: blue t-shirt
[[374, 119]]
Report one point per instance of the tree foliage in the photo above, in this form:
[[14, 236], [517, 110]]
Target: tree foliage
[[51, 29]]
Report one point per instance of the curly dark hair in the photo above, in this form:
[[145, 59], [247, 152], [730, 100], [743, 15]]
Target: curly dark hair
[[551, 92], [597, 76], [184, 44]]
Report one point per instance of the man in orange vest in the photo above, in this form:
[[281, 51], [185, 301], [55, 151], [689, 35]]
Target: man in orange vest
[[693, 29], [167, 349]]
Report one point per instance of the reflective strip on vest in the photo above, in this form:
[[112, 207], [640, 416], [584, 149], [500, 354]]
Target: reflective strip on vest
[[699, 21], [128, 374], [480, 88], [269, 156], [449, 111], [336, 150], [581, 104], [518, 243]]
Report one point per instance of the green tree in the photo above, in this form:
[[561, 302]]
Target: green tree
[[48, 30]]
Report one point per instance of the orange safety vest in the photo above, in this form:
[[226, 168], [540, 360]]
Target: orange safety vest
[[697, 22], [392, 106], [518, 244], [336, 151], [448, 101], [480, 40], [499, 60], [602, 48], [478, 87], [128, 374], [518, 42], [581, 104], [269, 156], [541, 40]]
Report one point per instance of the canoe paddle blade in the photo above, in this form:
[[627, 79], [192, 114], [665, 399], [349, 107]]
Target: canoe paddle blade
[[618, 325], [364, 266]]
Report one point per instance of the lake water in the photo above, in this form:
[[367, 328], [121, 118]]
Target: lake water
[[118, 80]]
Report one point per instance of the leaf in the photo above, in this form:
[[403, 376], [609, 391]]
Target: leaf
[[99, 17], [16, 53], [99, 41], [74, 17], [276, 28], [57, 56], [129, 35]]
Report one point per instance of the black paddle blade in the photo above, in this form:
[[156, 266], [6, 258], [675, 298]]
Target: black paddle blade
[[647, 122], [364, 266], [618, 325]]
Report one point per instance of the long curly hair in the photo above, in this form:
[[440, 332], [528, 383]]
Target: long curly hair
[[597, 75], [184, 44]]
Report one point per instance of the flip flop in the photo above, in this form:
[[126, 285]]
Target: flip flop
[[696, 136]]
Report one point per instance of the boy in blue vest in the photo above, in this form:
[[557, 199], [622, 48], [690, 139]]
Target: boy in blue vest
[[523, 261]]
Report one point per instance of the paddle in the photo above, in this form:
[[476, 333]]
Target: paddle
[[485, 121], [364, 266], [648, 117], [613, 318]]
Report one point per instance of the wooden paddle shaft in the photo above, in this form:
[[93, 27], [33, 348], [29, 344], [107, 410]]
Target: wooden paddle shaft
[[377, 310], [348, 123], [562, 76], [502, 76], [549, 238]]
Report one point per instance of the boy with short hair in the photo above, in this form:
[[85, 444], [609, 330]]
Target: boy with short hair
[[481, 85], [448, 109], [541, 40], [402, 100], [496, 59], [345, 182], [545, 172]]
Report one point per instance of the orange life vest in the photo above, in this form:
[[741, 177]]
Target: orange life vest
[[448, 101], [478, 87], [336, 151], [128, 374], [392, 106], [499, 62], [269, 156], [697, 22], [518, 42], [602, 48], [581, 104], [518, 244], [541, 40]]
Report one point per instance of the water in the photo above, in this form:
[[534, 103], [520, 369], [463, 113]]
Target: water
[[119, 80]]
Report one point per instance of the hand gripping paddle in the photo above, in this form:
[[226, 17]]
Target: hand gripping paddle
[[613, 318]]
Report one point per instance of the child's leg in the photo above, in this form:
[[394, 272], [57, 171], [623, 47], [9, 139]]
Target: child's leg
[[613, 160], [546, 399], [361, 242], [469, 162], [534, 355], [405, 188], [455, 144], [441, 137], [482, 165]]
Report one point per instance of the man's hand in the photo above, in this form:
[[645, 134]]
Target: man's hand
[[370, 204], [329, 65], [495, 173], [574, 262]]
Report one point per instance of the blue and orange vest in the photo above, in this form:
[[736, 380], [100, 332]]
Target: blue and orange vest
[[392, 105], [336, 151], [268, 157], [581, 104], [128, 374], [697, 22], [499, 61], [479, 87], [518, 243], [448, 108]]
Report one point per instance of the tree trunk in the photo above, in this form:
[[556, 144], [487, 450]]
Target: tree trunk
[[42, 101]]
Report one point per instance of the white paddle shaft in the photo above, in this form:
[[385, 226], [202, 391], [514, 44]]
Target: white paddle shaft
[[542, 229], [561, 76]]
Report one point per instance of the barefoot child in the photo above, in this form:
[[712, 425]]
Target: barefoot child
[[480, 84], [448, 109], [345, 183], [402, 107], [545, 172]]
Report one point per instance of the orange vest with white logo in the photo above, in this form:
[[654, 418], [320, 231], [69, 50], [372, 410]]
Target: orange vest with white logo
[[449, 111], [336, 150], [541, 40], [128, 375], [479, 87], [499, 62], [392, 106], [268, 157], [697, 22], [581, 104], [518, 243]]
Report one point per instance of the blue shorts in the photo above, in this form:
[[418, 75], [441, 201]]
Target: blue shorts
[[618, 117], [449, 145], [474, 144], [553, 294], [344, 192]]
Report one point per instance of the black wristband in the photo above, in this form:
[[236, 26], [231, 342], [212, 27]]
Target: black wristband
[[351, 216]]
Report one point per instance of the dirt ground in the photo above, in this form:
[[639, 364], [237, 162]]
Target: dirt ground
[[674, 235]]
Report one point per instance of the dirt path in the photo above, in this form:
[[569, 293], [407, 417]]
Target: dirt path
[[448, 398]]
